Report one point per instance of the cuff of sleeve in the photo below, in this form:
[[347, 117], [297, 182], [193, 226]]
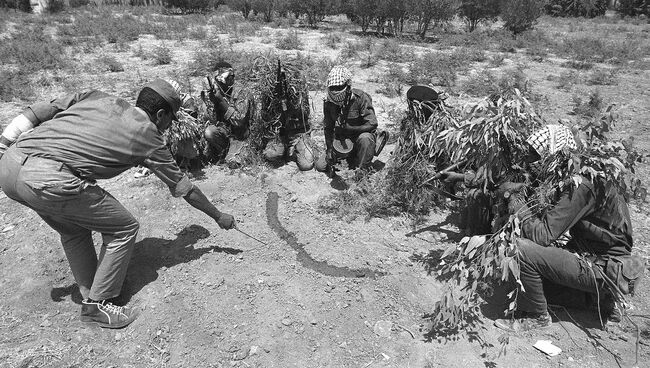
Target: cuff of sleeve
[[183, 187], [229, 113], [32, 112]]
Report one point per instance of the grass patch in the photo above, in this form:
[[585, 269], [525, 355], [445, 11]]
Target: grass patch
[[487, 83], [14, 85], [31, 50], [288, 41], [332, 40], [603, 77]]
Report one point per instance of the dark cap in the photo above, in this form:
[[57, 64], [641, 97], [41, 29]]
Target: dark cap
[[169, 91]]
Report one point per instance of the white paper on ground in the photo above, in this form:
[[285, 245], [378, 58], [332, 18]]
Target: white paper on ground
[[547, 347]]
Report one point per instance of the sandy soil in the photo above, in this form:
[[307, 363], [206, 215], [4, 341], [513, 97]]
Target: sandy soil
[[321, 292]]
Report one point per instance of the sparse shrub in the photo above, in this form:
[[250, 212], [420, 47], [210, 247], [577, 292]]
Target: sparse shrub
[[496, 60], [590, 108], [468, 55], [55, 6], [568, 79], [603, 77], [389, 49], [288, 41], [15, 85], [486, 83], [32, 49], [520, 15], [349, 50], [332, 40], [198, 33], [392, 81], [111, 63], [162, 55]]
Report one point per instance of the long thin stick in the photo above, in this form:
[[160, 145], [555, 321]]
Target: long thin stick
[[252, 237]]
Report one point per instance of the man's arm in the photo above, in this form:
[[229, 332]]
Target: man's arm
[[198, 200], [367, 113], [162, 164], [37, 113], [570, 209]]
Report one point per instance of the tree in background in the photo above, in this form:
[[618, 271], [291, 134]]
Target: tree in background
[[576, 8], [265, 7], [521, 15], [190, 6], [361, 12], [243, 6], [314, 10], [22, 5], [634, 7], [478, 11], [427, 11]]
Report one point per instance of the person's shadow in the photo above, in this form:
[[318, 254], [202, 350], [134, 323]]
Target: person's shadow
[[149, 255]]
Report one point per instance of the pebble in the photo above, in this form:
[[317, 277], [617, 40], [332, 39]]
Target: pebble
[[313, 322], [46, 323], [254, 350], [241, 354], [383, 328], [8, 228], [118, 336], [287, 321]]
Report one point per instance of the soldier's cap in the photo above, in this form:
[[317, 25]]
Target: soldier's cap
[[169, 91]]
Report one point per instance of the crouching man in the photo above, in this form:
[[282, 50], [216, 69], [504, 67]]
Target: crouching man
[[598, 254], [50, 158]]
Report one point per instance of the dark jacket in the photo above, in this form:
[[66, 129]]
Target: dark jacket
[[360, 113], [599, 224]]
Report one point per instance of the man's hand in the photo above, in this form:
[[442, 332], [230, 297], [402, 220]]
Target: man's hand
[[451, 176], [330, 157], [226, 221]]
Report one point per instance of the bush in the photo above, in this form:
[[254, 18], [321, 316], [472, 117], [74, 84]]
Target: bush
[[288, 41], [434, 68], [111, 63], [486, 83], [588, 109], [190, 6], [576, 8], [162, 55], [520, 15], [55, 6], [603, 77], [633, 7]]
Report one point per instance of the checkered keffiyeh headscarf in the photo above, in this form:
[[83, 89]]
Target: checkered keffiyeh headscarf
[[551, 139], [338, 76], [185, 98]]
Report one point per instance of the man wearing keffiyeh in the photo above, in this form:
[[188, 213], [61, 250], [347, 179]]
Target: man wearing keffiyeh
[[348, 113], [598, 222]]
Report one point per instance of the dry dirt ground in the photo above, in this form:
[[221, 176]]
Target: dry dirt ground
[[322, 292]]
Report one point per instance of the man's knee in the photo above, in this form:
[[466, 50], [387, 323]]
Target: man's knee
[[366, 139]]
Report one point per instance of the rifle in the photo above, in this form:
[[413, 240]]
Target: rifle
[[281, 87]]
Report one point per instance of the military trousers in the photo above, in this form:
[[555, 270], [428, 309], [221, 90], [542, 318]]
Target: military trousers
[[75, 208]]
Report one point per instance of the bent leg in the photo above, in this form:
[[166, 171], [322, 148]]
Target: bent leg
[[364, 150], [557, 265]]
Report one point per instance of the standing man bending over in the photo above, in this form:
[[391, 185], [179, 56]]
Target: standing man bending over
[[56, 152]]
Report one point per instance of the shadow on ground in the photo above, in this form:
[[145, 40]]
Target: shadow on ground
[[150, 255]]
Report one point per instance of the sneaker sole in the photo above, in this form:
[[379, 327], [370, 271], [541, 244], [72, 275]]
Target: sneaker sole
[[107, 325]]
